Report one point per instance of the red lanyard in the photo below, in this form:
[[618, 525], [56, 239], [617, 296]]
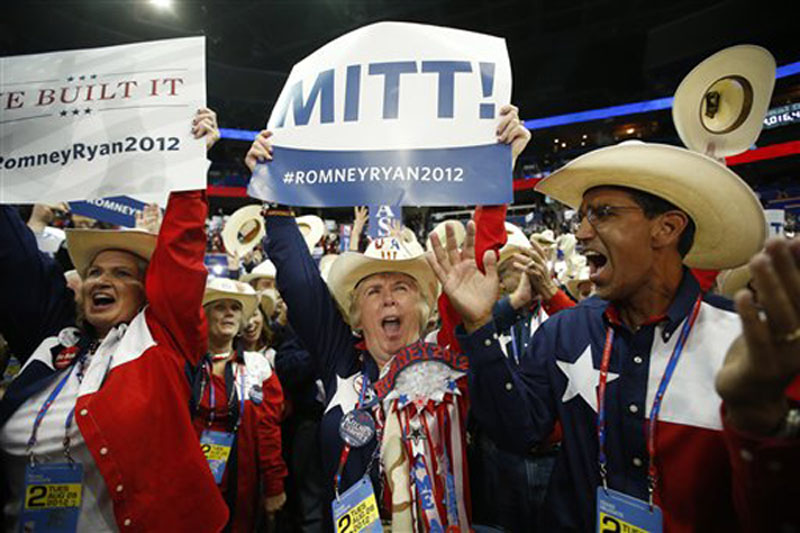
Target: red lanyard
[[662, 389]]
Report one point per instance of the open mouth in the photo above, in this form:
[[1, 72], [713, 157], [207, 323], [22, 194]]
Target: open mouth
[[102, 301], [391, 325], [596, 261]]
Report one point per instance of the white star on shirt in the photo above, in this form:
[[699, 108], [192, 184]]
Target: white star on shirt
[[583, 378], [346, 396], [505, 342]]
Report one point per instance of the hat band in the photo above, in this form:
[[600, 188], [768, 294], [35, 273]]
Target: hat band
[[725, 93]]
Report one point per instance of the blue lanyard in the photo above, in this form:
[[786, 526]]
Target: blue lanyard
[[48, 403], [662, 389]]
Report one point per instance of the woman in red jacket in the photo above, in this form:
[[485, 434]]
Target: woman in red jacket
[[237, 402], [94, 431]]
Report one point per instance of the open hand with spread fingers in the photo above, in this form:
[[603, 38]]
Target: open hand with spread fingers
[[762, 362], [471, 292]]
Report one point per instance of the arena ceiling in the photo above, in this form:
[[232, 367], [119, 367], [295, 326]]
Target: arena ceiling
[[566, 55]]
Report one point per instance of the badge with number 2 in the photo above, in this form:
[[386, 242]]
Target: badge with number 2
[[52, 497], [357, 510], [618, 512], [216, 446]]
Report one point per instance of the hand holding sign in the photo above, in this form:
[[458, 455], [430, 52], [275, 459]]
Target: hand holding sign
[[204, 123], [260, 151]]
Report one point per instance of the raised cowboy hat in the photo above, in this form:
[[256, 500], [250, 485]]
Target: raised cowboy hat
[[243, 230], [720, 105], [386, 254], [515, 241], [730, 225], [312, 227], [84, 244], [440, 230], [228, 289], [265, 269]]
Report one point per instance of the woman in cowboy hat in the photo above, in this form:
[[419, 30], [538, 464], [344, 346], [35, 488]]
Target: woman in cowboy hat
[[237, 403], [389, 428], [101, 408]]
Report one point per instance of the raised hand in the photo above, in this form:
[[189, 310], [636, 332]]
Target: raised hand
[[471, 292], [260, 151], [511, 130], [149, 218], [533, 261], [766, 358], [204, 123]]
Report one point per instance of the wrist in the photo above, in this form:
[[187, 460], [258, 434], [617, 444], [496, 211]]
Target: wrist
[[517, 302], [762, 419], [472, 325], [549, 290]]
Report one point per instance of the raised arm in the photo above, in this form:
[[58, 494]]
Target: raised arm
[[176, 277], [37, 302], [312, 310]]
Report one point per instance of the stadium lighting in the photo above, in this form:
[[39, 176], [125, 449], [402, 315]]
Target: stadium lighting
[[161, 4]]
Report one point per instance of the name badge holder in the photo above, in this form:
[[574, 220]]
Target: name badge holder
[[217, 445], [617, 511], [356, 510], [53, 491]]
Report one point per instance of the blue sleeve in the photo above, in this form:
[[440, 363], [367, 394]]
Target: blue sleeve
[[36, 300], [513, 405], [293, 363], [313, 313], [504, 315]]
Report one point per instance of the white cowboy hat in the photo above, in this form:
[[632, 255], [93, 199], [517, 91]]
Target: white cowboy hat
[[719, 107], [386, 254], [268, 299], [545, 238], [729, 221], [84, 244], [228, 289], [265, 269], [573, 282], [325, 264], [515, 241], [440, 230], [243, 230], [312, 227], [731, 281]]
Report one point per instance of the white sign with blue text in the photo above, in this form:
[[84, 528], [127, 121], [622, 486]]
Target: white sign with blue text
[[102, 122], [392, 114]]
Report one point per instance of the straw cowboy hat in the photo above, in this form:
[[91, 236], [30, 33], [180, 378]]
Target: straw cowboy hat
[[440, 231], [720, 105], [730, 224], [387, 254], [84, 244], [265, 269], [545, 238], [515, 241], [228, 289], [325, 264], [268, 299], [731, 281], [312, 227], [243, 230], [572, 283]]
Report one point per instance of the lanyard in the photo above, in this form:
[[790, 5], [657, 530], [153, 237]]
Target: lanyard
[[212, 397], [662, 389], [346, 449], [80, 365]]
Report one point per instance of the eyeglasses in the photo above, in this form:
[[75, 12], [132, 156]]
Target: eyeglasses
[[598, 214]]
